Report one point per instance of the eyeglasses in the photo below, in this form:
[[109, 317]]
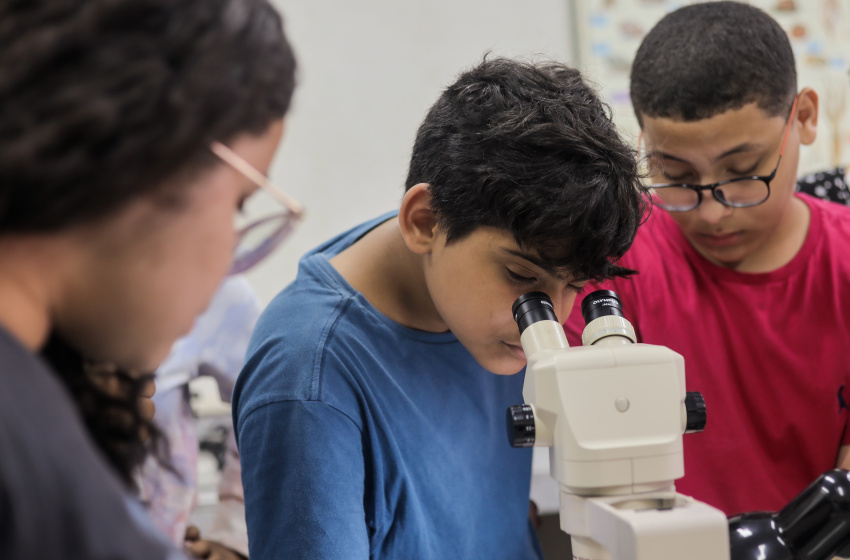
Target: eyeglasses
[[258, 238], [741, 192]]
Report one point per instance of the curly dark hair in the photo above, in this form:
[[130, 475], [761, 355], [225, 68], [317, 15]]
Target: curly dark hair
[[531, 149], [102, 100], [708, 58], [111, 415]]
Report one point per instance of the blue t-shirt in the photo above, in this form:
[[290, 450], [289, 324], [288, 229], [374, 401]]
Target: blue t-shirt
[[361, 438]]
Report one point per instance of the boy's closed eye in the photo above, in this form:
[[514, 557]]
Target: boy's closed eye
[[519, 278], [690, 178], [734, 170], [672, 173], [746, 172], [576, 288], [678, 178], [528, 280]]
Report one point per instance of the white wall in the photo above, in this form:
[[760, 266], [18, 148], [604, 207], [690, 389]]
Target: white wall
[[368, 72]]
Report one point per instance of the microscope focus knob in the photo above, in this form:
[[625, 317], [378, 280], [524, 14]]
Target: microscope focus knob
[[521, 429], [695, 409]]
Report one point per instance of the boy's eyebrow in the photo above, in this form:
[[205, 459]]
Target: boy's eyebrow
[[740, 148], [536, 261], [745, 147]]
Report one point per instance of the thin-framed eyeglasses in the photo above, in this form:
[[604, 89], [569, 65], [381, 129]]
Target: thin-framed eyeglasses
[[257, 239], [740, 192]]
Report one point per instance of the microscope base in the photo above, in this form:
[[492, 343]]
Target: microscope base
[[651, 526]]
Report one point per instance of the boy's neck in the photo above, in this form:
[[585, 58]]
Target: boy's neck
[[390, 277]]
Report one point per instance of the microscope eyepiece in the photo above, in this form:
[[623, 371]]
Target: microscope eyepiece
[[604, 320], [600, 304], [533, 307]]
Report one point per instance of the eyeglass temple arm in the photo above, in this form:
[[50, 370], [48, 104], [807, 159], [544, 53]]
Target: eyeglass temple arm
[[788, 128], [236, 161]]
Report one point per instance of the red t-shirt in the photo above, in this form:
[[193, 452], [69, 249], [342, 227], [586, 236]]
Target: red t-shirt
[[770, 352]]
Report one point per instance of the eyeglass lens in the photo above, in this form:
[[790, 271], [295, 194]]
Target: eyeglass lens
[[257, 240], [737, 194], [261, 226]]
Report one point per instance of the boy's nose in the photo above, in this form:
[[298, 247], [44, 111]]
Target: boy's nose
[[563, 303], [711, 211]]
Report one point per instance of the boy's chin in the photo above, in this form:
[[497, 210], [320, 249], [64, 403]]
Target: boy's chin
[[504, 367]]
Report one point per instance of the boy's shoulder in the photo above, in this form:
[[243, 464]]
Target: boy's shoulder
[[320, 334], [333, 347], [833, 211], [331, 322], [830, 222], [302, 346], [319, 300], [318, 288]]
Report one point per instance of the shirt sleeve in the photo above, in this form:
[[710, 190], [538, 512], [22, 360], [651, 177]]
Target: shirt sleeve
[[303, 474]]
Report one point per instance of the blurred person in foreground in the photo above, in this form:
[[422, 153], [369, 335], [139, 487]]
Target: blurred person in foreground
[[131, 134]]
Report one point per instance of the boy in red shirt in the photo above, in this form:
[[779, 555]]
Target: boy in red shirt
[[749, 281]]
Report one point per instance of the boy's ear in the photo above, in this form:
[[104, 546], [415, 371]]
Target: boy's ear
[[807, 115], [417, 220]]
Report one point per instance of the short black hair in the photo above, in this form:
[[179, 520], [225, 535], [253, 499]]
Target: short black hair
[[531, 149], [705, 59], [102, 101]]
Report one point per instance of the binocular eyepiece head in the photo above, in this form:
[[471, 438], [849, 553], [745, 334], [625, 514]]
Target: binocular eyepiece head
[[537, 306]]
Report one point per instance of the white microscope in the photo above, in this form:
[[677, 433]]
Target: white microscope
[[613, 413]]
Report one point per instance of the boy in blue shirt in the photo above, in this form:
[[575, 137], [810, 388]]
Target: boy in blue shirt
[[369, 421]]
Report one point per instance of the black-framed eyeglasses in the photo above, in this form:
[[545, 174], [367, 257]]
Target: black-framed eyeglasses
[[740, 192], [257, 239]]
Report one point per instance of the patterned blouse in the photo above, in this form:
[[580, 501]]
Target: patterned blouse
[[829, 184]]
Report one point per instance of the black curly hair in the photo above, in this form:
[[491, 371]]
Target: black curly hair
[[531, 149], [110, 413], [102, 100]]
